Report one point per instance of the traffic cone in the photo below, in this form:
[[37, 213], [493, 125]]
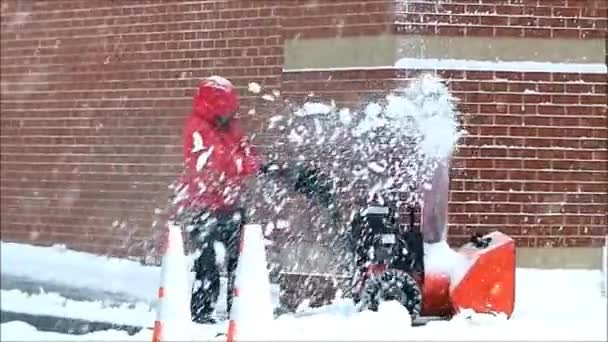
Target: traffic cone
[[252, 310], [173, 320]]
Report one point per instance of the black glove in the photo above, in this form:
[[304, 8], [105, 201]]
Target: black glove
[[306, 180], [264, 168], [271, 168]]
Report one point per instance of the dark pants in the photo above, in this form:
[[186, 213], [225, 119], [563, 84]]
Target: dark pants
[[206, 229]]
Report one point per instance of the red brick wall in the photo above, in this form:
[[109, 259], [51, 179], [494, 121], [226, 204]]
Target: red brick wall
[[93, 94], [505, 18], [534, 161], [502, 18], [304, 19]]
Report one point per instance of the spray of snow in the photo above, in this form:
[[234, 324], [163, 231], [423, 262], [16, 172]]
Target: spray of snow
[[254, 88], [315, 108], [400, 139], [274, 120], [268, 97], [388, 151]]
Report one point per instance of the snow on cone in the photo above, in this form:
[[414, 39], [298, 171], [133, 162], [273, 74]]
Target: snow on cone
[[173, 320], [252, 310]]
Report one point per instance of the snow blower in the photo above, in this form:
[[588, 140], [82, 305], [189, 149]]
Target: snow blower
[[429, 279], [415, 265]]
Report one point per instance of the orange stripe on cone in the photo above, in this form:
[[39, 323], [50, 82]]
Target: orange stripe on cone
[[231, 331], [158, 326], [231, 334], [157, 331]]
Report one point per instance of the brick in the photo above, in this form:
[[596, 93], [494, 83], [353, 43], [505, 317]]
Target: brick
[[508, 32], [566, 12], [450, 30], [508, 120], [537, 33], [494, 86], [523, 21], [509, 10], [565, 33], [480, 9]]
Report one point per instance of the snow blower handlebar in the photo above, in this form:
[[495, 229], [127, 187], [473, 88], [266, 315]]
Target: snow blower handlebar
[[308, 181]]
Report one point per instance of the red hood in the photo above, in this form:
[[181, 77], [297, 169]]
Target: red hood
[[216, 96]]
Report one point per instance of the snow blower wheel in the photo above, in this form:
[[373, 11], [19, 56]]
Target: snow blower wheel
[[392, 285]]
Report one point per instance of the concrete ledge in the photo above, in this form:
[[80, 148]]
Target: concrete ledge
[[504, 49], [340, 52], [559, 257], [384, 50]]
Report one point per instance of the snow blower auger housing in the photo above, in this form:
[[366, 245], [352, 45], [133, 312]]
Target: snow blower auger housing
[[393, 263]]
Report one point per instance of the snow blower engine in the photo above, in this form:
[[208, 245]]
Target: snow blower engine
[[395, 263], [389, 261]]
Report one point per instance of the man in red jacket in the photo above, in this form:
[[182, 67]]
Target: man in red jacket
[[218, 159]]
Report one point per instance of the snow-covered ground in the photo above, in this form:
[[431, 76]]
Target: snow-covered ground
[[551, 305]]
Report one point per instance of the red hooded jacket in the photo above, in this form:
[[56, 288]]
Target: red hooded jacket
[[216, 160]]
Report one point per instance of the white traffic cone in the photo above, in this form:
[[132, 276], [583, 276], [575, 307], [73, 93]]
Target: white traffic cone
[[173, 320], [252, 310]]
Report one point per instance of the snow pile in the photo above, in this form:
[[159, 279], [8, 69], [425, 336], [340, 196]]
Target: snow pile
[[52, 304], [60, 266], [20, 331], [390, 323], [551, 305]]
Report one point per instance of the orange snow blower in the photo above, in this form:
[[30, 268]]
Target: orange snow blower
[[398, 265], [416, 267]]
